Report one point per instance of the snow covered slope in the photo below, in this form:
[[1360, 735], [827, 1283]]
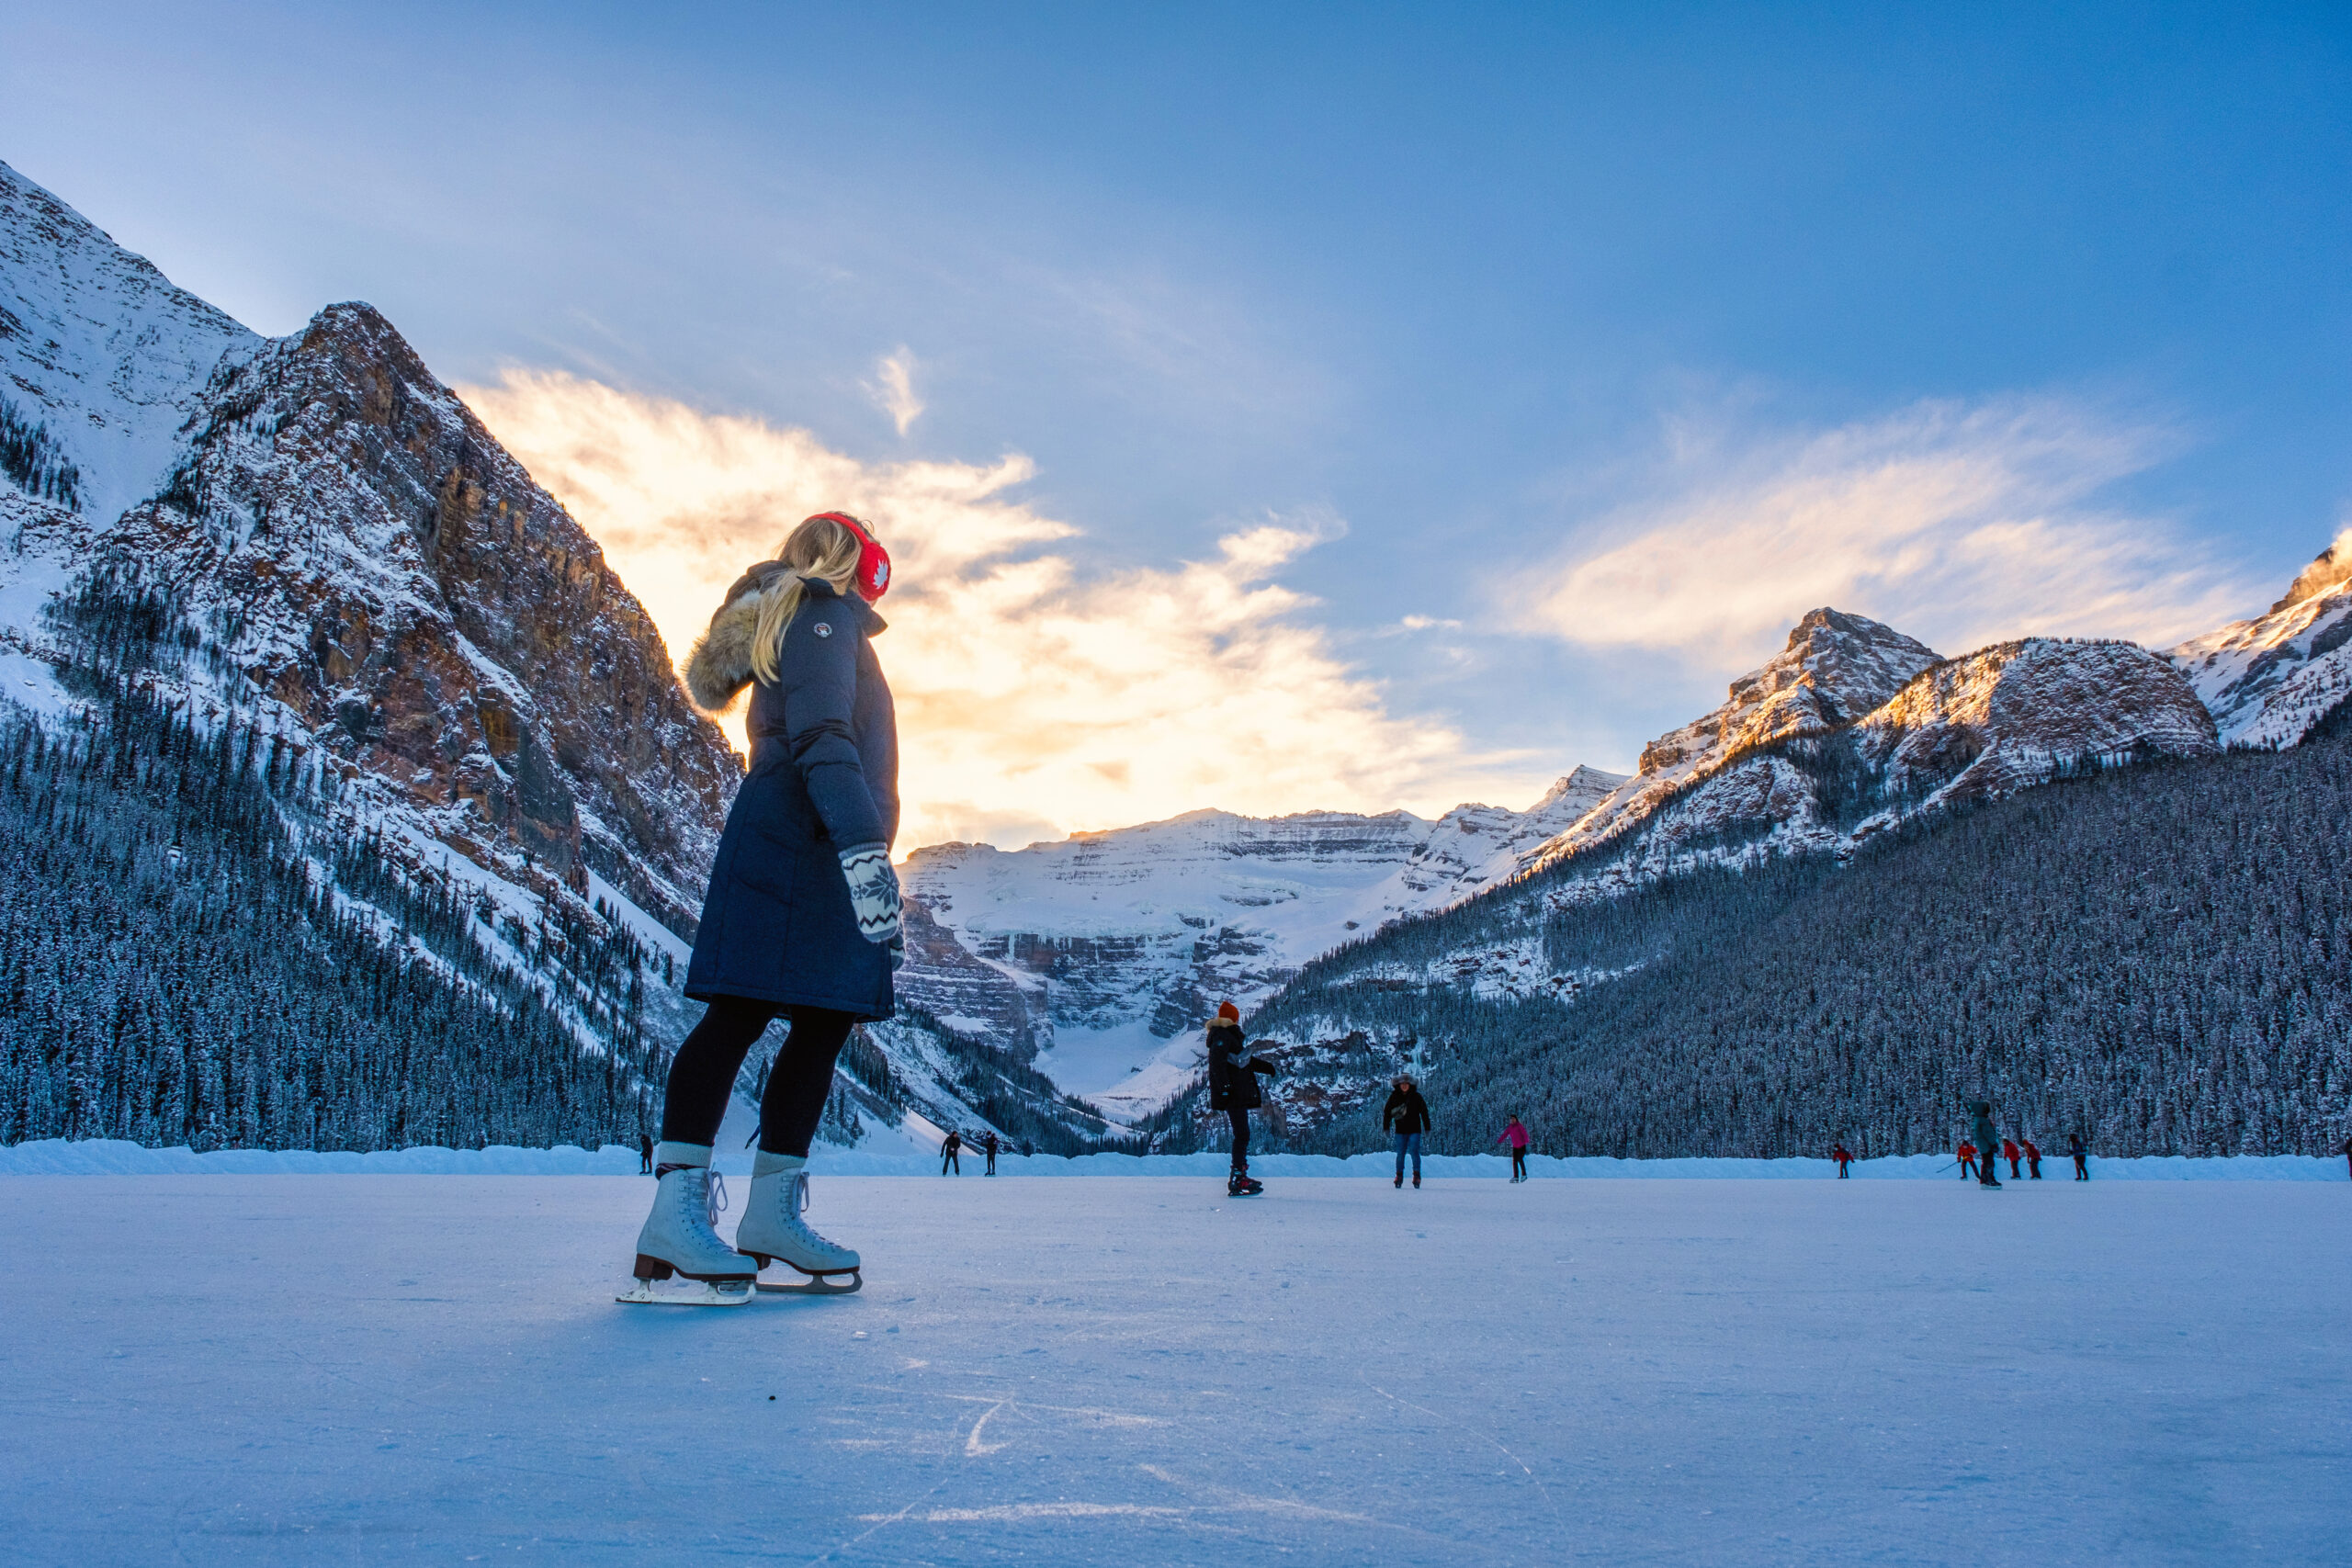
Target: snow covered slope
[[1102, 954], [102, 360], [2268, 680]]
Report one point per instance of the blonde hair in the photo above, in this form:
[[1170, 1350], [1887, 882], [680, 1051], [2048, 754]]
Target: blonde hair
[[818, 547]]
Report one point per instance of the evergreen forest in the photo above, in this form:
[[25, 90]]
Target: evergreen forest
[[2157, 957], [193, 952]]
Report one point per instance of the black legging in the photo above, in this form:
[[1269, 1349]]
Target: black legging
[[703, 1075], [1241, 1120]]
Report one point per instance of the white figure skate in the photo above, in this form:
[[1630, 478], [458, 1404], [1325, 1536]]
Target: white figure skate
[[681, 1237], [773, 1231]]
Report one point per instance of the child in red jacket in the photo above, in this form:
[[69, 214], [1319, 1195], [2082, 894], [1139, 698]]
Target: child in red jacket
[[2009, 1152], [1968, 1161]]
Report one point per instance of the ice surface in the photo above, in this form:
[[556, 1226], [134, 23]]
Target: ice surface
[[367, 1369], [913, 1150]]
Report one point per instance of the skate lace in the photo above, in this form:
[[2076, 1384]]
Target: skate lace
[[711, 1200], [798, 1204]]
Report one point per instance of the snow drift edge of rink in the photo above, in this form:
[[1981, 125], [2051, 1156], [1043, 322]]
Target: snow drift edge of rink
[[55, 1157]]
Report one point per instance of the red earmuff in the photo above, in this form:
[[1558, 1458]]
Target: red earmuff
[[872, 577]]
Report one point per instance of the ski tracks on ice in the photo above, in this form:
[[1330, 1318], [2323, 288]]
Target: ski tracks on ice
[[1202, 1499], [1487, 1438]]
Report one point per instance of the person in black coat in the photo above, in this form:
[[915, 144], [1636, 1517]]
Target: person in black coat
[[2076, 1147], [1407, 1116], [802, 918], [1233, 1088], [1988, 1143], [949, 1150]]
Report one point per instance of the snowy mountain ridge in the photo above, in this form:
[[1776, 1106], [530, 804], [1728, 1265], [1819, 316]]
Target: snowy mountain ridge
[[1101, 955], [2268, 680], [1800, 760]]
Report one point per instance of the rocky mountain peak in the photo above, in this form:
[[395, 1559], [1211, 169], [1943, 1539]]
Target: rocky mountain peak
[[103, 359], [1580, 790], [2268, 680], [2331, 571], [1999, 718]]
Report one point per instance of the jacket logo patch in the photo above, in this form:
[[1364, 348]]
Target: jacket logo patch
[[822, 628]]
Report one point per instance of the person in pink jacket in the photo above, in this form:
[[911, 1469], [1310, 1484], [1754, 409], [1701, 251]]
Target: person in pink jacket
[[1516, 1136]]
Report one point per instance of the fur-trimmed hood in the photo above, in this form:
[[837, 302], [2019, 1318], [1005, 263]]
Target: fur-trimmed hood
[[719, 665]]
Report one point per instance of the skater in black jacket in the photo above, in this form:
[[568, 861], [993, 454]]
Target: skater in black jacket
[[949, 1150], [644, 1154], [2082, 1156], [1407, 1116], [1987, 1144], [989, 1147], [1232, 1088]]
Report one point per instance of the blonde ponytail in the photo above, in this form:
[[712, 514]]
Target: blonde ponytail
[[819, 548]]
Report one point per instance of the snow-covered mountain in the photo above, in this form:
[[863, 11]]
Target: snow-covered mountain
[[2268, 680], [1851, 730], [310, 539], [1099, 956], [1835, 669]]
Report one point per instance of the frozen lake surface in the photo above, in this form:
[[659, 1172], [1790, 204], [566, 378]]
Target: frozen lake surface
[[395, 1368]]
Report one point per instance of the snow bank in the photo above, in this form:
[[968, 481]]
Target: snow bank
[[113, 1157], [110, 1157]]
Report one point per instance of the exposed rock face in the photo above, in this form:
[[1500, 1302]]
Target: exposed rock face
[[2001, 718], [1135, 935], [1835, 668], [2268, 680], [362, 552], [362, 565]]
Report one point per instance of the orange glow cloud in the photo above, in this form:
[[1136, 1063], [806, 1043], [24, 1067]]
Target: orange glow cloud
[[1032, 700]]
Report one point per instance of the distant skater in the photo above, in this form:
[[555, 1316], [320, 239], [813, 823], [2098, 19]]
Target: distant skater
[[987, 1148], [2082, 1156], [645, 1153], [1516, 1136], [949, 1150], [802, 921], [1232, 1088], [1986, 1140], [2347, 1155], [1967, 1159], [1843, 1156], [2032, 1158], [2011, 1152], [1406, 1117]]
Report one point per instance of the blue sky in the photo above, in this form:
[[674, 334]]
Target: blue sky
[[1619, 335]]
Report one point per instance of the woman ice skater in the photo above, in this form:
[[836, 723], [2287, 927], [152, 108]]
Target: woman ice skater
[[1515, 1135], [802, 920]]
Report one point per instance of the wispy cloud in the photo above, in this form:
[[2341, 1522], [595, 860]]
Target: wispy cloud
[[1033, 699], [1959, 524], [894, 388]]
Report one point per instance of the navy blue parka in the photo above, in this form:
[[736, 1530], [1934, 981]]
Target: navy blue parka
[[776, 924]]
